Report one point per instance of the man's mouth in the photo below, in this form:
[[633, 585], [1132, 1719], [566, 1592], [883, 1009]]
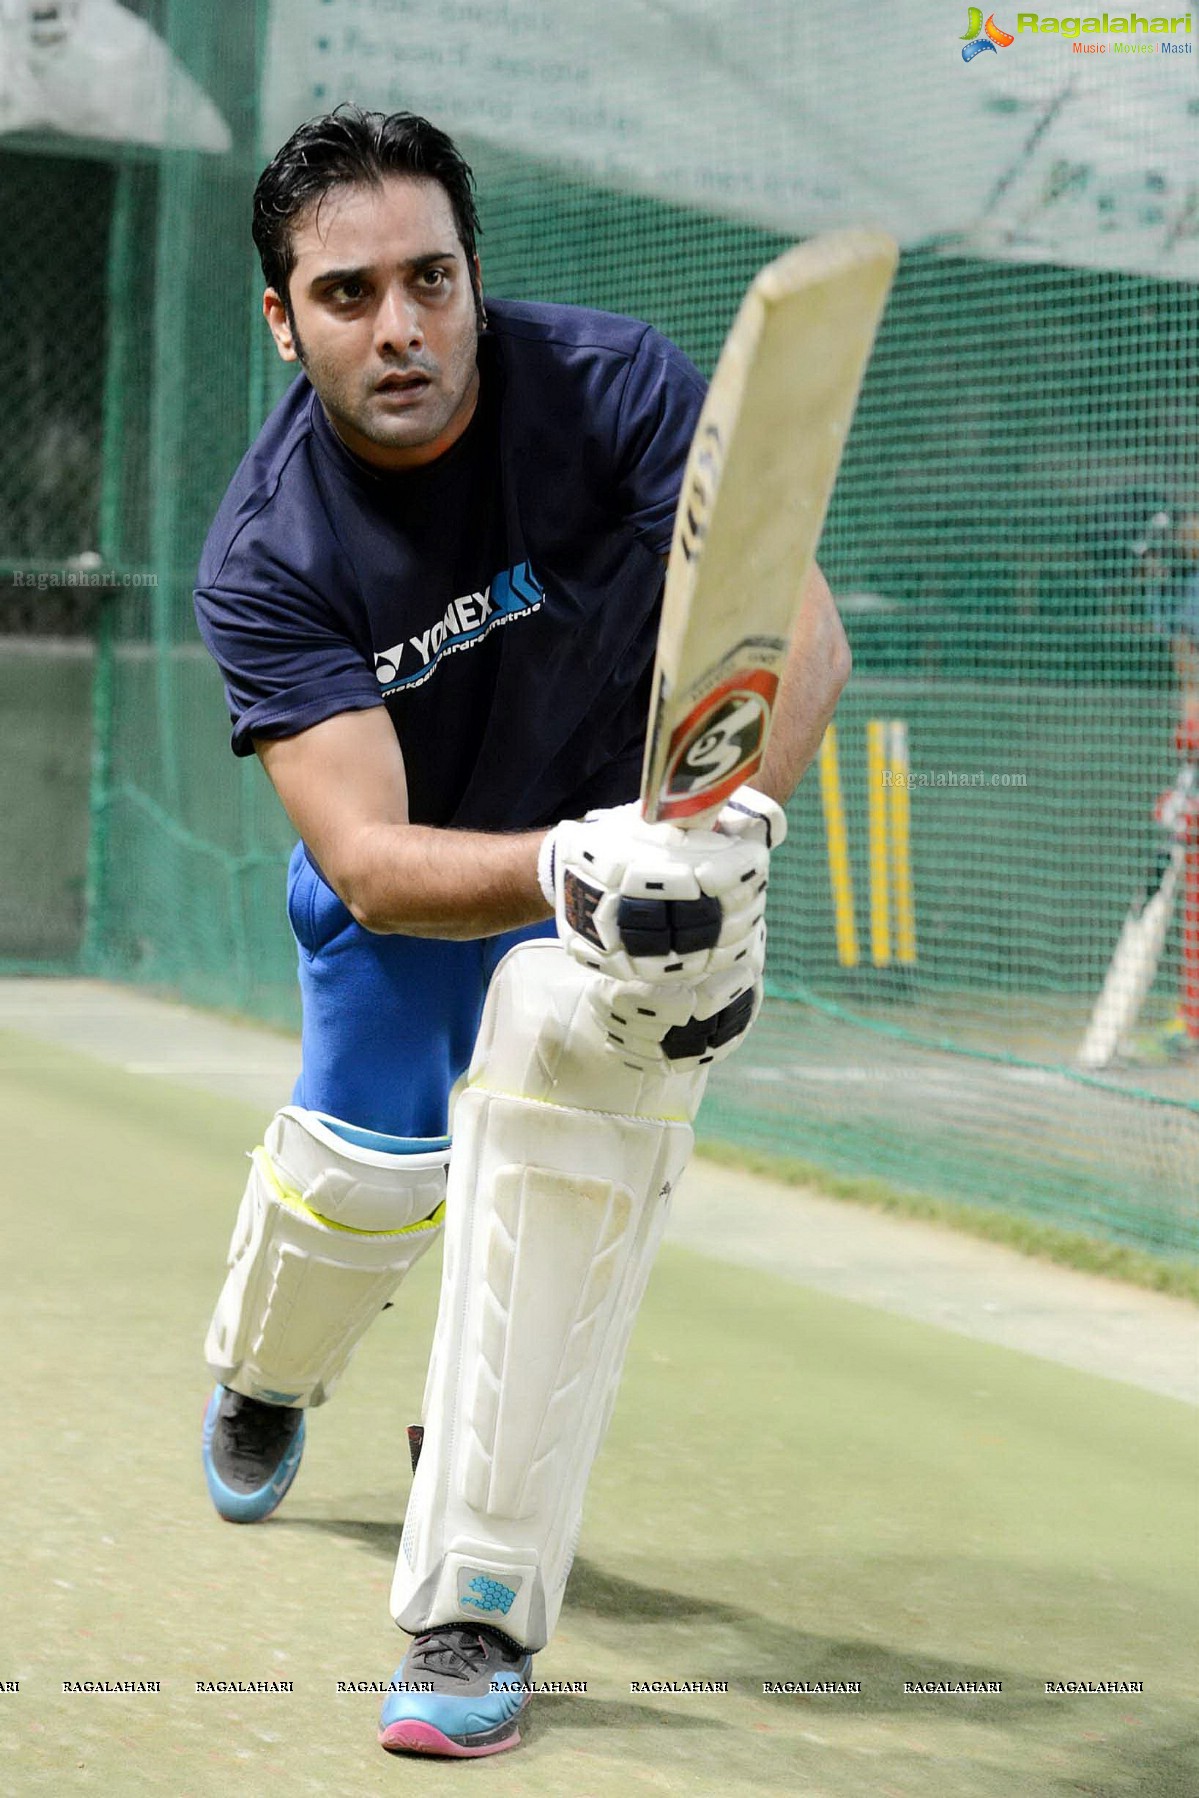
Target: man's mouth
[[410, 383]]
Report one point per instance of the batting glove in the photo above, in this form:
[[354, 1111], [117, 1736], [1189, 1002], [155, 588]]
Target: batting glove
[[676, 1029], [651, 902]]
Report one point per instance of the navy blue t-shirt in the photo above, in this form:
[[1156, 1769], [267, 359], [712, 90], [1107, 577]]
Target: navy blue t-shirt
[[502, 602]]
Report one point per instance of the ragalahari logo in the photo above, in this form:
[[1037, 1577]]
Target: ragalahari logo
[[982, 37]]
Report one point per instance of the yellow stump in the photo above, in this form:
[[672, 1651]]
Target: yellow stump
[[876, 818], [900, 822], [837, 838]]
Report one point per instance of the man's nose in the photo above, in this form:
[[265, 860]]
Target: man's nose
[[398, 325]]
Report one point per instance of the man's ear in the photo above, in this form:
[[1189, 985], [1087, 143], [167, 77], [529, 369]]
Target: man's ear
[[275, 314]]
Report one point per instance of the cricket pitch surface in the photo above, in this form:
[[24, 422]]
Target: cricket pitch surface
[[903, 1524]]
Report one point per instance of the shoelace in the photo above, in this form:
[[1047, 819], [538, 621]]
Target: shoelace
[[454, 1654]]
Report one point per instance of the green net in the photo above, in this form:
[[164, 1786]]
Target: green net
[[1007, 540]]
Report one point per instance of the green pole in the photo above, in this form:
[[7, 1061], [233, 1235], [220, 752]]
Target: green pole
[[95, 933], [168, 407], [117, 365], [120, 278]]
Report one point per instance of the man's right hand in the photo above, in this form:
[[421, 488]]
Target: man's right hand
[[651, 902]]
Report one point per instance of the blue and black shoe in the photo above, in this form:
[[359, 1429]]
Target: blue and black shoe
[[458, 1691], [251, 1454]]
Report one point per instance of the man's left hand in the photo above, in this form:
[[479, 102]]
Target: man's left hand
[[651, 902]]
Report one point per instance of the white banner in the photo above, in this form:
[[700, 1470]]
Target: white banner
[[799, 116]]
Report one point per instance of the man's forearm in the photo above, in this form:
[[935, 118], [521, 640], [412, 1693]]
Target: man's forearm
[[817, 667], [343, 785], [414, 880]]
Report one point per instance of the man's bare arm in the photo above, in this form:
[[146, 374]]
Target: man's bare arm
[[817, 667], [343, 786]]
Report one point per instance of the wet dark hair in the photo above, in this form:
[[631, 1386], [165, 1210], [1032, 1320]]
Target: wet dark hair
[[352, 148]]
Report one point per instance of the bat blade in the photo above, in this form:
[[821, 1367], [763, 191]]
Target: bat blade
[[1139, 947], [755, 491]]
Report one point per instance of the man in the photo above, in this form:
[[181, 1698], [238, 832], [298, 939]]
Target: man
[[432, 589]]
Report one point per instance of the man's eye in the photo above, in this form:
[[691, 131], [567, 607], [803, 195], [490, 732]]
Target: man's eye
[[434, 277], [348, 291]]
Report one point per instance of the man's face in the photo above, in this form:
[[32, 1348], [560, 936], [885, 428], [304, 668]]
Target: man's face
[[383, 318]]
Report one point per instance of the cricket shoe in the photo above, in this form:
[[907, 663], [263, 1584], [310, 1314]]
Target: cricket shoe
[[458, 1691], [251, 1454]]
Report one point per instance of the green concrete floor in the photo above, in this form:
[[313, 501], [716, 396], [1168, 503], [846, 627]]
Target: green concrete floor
[[795, 1488]]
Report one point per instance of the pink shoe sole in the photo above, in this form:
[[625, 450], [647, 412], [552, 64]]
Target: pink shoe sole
[[423, 1738]]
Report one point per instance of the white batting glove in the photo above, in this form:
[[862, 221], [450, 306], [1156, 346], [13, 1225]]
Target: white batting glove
[[676, 1029], [652, 902]]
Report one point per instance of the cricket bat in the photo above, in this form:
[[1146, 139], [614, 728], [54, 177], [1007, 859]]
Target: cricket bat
[[755, 491], [1139, 947]]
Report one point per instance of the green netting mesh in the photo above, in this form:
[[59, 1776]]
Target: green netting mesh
[[996, 540]]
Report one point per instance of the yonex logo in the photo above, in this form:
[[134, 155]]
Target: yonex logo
[[979, 37], [466, 620], [492, 1595]]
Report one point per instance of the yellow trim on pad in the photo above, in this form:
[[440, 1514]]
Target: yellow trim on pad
[[287, 1195]]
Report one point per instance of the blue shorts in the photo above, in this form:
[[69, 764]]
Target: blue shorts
[[389, 1021]]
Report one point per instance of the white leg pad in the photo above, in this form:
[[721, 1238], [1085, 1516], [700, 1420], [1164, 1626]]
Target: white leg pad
[[326, 1231], [564, 1159]]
